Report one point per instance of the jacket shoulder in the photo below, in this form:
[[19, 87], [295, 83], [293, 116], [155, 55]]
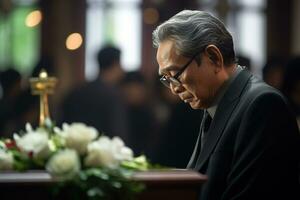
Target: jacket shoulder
[[257, 89]]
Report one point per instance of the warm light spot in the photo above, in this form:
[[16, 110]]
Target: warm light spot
[[43, 74], [151, 16], [73, 41], [33, 18]]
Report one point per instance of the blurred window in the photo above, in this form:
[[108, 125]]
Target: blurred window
[[117, 22], [19, 43], [246, 20]]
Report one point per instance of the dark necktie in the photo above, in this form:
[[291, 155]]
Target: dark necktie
[[202, 133], [206, 125]]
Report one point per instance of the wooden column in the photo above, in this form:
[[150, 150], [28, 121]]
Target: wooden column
[[279, 20], [60, 19]]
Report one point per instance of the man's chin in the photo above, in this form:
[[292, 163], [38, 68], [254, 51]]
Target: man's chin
[[196, 105]]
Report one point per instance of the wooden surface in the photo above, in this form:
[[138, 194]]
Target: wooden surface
[[174, 184], [171, 184]]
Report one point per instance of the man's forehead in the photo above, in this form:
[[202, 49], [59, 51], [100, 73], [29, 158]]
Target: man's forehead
[[167, 56], [166, 51]]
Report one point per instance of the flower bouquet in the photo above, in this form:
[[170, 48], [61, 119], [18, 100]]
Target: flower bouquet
[[92, 164]]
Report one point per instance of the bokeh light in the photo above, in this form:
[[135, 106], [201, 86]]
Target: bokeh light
[[74, 41], [34, 18], [151, 16]]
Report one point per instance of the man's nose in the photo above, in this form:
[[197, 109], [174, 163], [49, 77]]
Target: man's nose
[[176, 89]]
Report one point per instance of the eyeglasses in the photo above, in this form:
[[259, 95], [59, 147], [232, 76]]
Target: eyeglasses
[[168, 80]]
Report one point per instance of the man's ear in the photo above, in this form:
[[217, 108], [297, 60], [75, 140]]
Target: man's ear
[[214, 55]]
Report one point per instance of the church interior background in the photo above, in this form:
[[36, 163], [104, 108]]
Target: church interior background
[[66, 34]]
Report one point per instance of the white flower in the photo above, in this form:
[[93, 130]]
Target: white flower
[[77, 136], [107, 153], [121, 151], [65, 163], [2, 145], [6, 160], [35, 142]]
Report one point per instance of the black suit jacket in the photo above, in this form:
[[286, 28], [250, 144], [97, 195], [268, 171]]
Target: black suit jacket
[[252, 146]]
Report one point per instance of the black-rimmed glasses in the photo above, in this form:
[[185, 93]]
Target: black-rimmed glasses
[[168, 80]]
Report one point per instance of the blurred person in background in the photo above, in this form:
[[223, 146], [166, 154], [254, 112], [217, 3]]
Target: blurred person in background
[[10, 81], [273, 72], [99, 103], [291, 85], [141, 119], [249, 143], [18, 105]]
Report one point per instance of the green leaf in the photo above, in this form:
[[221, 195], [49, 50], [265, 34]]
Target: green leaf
[[95, 191], [116, 184]]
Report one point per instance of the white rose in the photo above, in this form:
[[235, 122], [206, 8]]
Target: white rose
[[65, 163], [77, 136], [100, 153], [35, 142], [107, 153], [122, 152], [6, 160]]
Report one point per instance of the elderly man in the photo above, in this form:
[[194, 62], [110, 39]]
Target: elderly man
[[248, 143]]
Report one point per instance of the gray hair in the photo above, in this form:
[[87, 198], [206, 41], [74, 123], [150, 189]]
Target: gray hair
[[193, 31]]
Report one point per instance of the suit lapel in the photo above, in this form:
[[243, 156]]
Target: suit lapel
[[223, 113]]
